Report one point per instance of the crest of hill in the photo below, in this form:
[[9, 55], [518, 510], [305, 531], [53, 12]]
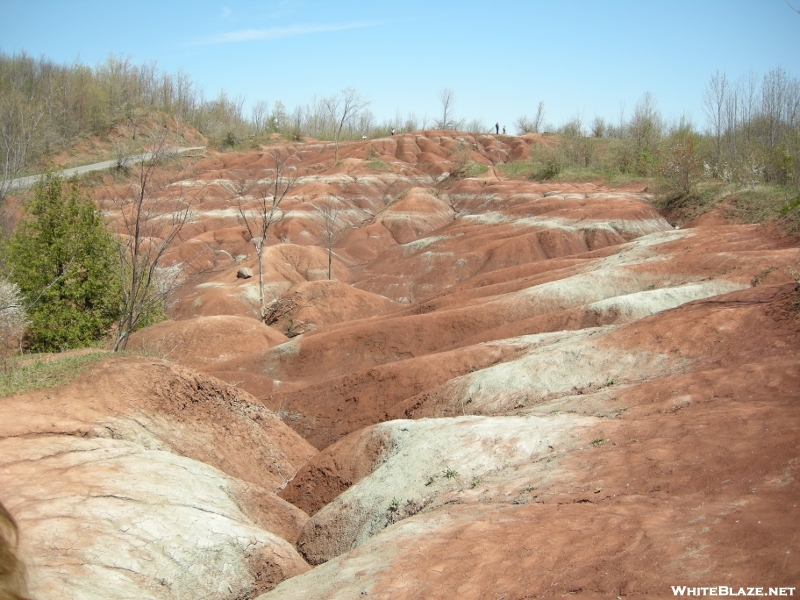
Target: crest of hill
[[201, 341], [313, 304], [125, 137]]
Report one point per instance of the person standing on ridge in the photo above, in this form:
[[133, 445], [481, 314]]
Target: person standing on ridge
[[392, 130], [497, 128]]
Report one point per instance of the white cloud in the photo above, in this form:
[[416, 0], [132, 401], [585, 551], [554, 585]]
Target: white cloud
[[273, 33]]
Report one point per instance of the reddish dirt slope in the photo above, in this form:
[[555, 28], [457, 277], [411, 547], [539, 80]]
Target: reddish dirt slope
[[141, 476], [509, 389]]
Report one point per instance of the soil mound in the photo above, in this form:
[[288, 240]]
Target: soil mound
[[156, 476], [308, 306], [437, 508], [506, 389], [202, 341]]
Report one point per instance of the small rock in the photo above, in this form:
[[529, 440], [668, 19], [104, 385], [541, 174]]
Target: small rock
[[244, 273]]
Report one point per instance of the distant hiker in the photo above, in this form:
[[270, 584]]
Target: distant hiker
[[392, 130], [504, 129], [497, 128]]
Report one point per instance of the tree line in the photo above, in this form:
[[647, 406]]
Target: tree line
[[752, 136]]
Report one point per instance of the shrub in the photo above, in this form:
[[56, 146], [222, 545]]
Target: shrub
[[680, 165], [65, 264]]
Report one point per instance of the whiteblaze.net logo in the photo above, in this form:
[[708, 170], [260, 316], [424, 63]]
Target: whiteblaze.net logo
[[724, 590]]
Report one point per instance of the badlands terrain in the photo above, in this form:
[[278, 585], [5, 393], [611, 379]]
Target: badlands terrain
[[507, 389]]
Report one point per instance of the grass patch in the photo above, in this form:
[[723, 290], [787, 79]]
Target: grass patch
[[761, 204], [682, 208], [468, 169], [518, 169], [608, 177], [766, 203], [33, 372], [757, 205], [538, 170], [376, 164]]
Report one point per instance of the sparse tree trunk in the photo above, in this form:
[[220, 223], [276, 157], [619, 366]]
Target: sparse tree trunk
[[145, 283], [269, 193], [715, 97], [447, 97], [259, 244], [328, 219], [342, 108]]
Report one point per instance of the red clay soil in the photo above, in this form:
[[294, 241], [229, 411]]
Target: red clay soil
[[200, 341], [694, 481], [255, 447], [698, 492], [337, 468], [675, 352], [140, 457]]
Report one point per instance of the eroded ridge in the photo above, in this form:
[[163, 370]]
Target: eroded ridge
[[506, 388]]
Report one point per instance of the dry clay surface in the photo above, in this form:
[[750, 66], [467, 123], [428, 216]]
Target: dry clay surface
[[141, 479], [509, 389]]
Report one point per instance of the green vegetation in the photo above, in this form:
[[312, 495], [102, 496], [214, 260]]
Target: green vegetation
[[469, 169], [376, 164], [450, 473], [26, 373], [684, 207], [749, 157], [766, 203], [65, 264], [761, 203]]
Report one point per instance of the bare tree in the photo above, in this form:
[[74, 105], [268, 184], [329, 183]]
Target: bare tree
[[268, 194], [18, 123], [732, 115], [447, 98], [259, 115], [599, 127], [342, 108], [328, 217], [646, 124], [538, 120], [12, 319], [715, 97], [524, 124], [151, 221]]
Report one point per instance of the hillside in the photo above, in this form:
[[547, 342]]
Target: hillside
[[509, 389]]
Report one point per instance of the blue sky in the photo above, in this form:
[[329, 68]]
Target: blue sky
[[580, 57]]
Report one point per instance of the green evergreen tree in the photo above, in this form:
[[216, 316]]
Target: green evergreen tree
[[65, 263]]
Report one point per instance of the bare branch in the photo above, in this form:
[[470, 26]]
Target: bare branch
[[269, 193], [342, 108], [448, 98], [328, 217], [151, 222]]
